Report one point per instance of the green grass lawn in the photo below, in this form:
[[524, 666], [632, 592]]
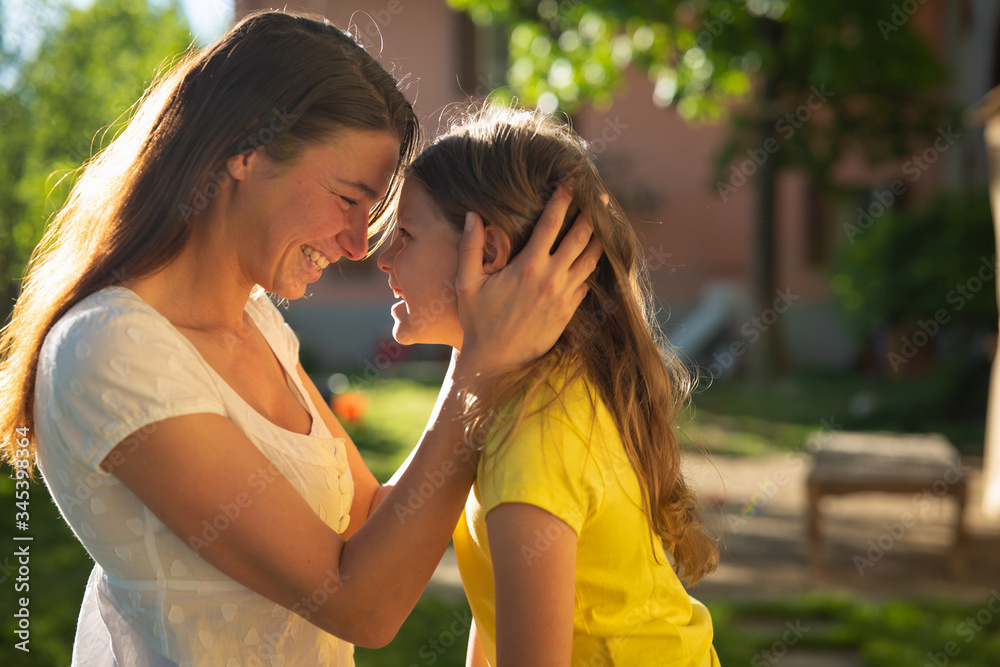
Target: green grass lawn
[[893, 633], [738, 417], [397, 415], [730, 418]]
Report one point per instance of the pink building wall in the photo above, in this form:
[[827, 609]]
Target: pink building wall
[[660, 166]]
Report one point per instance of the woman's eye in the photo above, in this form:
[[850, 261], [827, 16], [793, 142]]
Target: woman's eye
[[402, 233], [351, 202]]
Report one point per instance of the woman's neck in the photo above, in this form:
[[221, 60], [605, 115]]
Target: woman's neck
[[201, 288]]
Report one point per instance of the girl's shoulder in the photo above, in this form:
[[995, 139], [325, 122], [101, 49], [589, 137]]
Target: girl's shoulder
[[555, 456], [563, 421], [570, 399]]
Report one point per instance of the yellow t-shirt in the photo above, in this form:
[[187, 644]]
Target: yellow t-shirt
[[630, 608]]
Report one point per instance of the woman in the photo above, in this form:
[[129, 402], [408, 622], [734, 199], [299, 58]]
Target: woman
[[579, 497], [231, 519]]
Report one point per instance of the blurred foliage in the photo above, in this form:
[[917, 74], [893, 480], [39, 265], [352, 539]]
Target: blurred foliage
[[879, 77], [58, 572], [743, 417], [908, 265], [58, 107]]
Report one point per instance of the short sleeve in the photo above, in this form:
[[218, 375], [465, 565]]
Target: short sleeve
[[105, 372], [548, 464]]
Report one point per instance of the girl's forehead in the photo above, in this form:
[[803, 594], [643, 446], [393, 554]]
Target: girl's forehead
[[415, 203]]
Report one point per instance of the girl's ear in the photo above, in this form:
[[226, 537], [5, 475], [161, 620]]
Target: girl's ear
[[496, 252]]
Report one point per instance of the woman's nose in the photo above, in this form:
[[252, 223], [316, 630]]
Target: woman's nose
[[354, 239]]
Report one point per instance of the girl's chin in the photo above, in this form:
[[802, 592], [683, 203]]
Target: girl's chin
[[400, 333], [404, 335], [407, 331]]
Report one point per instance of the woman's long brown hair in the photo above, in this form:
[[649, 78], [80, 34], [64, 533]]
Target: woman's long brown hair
[[277, 81], [504, 164]]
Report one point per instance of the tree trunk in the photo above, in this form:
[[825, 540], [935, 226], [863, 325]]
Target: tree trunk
[[991, 470], [765, 356]]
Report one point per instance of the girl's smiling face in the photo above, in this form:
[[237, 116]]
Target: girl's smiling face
[[422, 262]]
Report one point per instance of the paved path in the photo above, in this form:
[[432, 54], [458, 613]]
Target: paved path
[[764, 546], [759, 507]]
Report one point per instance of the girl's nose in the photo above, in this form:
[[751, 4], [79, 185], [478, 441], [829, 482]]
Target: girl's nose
[[384, 259]]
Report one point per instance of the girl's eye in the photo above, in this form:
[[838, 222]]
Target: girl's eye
[[402, 233]]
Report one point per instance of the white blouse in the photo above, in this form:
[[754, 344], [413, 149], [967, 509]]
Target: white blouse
[[109, 370]]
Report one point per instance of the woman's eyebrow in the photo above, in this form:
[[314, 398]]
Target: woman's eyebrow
[[363, 187]]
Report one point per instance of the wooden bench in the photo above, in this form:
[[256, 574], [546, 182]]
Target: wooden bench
[[926, 466]]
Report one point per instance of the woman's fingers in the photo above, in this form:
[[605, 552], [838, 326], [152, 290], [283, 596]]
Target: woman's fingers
[[586, 262], [517, 314], [547, 229], [575, 245], [470, 255]]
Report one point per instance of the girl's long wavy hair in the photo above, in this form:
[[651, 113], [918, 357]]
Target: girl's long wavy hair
[[278, 82], [504, 164]]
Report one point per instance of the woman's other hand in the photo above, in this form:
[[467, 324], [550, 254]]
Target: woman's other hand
[[516, 314]]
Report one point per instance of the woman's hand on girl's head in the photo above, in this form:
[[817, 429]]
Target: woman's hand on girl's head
[[515, 315]]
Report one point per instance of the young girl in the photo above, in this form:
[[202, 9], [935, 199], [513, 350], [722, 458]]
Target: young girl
[[579, 505]]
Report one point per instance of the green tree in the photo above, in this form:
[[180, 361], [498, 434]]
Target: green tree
[[807, 81], [63, 104], [937, 261]]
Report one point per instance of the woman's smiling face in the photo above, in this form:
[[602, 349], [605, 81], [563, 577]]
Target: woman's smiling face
[[422, 262], [296, 219]]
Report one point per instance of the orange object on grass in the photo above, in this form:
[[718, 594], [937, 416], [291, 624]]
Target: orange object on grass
[[350, 406]]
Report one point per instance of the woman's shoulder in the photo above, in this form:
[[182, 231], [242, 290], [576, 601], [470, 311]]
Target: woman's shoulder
[[107, 318], [111, 365], [113, 328], [103, 304]]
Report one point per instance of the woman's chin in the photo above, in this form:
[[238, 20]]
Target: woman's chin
[[289, 293]]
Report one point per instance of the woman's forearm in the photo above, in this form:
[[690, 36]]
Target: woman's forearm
[[475, 656], [420, 511]]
